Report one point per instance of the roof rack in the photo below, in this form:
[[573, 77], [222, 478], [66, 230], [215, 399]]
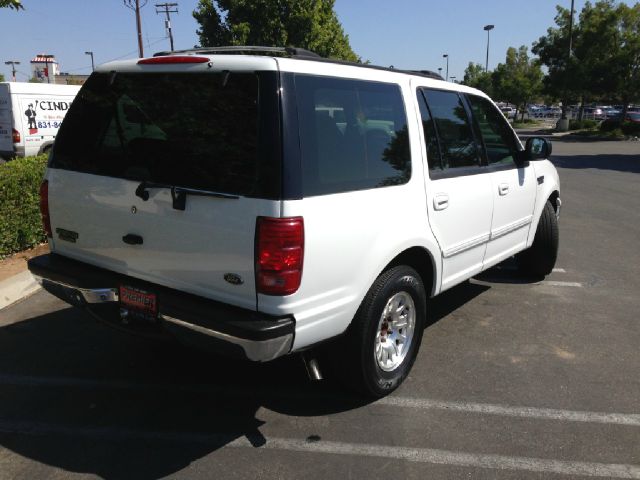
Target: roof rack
[[425, 73], [243, 50], [291, 52]]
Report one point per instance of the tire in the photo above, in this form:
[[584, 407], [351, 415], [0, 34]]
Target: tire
[[379, 350], [540, 258]]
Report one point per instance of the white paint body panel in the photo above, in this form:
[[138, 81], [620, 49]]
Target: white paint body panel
[[187, 250], [514, 196]]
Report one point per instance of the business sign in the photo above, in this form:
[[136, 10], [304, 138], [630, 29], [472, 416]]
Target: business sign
[[42, 115]]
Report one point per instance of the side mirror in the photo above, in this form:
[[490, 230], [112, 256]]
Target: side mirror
[[538, 148]]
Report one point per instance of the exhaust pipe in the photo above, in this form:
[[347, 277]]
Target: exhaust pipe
[[313, 369]]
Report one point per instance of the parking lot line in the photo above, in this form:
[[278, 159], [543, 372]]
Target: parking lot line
[[559, 270], [627, 419], [417, 455], [553, 283]]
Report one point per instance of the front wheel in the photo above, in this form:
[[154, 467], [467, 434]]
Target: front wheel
[[384, 338], [540, 258]]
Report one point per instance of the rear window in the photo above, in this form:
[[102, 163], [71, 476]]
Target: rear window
[[353, 135], [214, 131]]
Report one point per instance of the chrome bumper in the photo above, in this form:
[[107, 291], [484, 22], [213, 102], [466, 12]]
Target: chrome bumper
[[255, 350]]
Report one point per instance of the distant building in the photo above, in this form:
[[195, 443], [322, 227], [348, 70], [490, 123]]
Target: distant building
[[69, 79], [43, 66]]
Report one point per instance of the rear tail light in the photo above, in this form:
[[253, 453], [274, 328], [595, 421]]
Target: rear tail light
[[44, 207], [279, 255], [16, 135]]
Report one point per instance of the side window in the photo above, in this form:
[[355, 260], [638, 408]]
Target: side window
[[499, 141], [430, 136], [353, 135], [457, 143]]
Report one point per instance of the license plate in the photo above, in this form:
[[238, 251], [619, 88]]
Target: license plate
[[139, 300]]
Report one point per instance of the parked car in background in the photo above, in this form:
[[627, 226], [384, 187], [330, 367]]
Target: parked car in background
[[633, 117], [593, 113], [509, 112]]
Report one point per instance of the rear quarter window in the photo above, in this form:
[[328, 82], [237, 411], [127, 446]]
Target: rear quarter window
[[353, 135]]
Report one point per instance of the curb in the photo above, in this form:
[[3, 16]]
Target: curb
[[17, 287]]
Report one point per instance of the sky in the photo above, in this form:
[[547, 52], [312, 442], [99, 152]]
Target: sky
[[408, 34]]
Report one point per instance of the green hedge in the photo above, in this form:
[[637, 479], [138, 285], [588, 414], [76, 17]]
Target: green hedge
[[582, 124], [20, 222]]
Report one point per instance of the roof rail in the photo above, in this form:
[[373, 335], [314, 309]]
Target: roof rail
[[291, 52], [425, 73], [251, 50]]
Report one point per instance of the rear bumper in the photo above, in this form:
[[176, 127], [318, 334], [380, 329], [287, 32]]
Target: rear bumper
[[223, 328]]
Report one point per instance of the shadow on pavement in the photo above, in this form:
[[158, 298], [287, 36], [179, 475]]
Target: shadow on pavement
[[82, 397], [619, 163]]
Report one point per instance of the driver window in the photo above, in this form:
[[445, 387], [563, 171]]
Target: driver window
[[499, 140]]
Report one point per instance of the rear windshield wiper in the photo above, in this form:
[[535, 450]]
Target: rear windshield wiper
[[179, 194]]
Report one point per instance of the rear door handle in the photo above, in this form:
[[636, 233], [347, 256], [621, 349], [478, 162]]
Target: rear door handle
[[132, 239], [503, 188], [440, 201]]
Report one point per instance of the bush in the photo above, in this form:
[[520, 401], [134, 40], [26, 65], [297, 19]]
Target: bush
[[631, 129], [610, 124], [20, 223], [582, 124]]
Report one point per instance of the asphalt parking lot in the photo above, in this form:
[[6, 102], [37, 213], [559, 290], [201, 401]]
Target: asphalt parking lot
[[516, 379]]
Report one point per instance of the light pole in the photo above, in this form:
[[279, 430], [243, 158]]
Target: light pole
[[487, 28], [13, 64], [446, 55], [453, 79], [440, 71], [92, 66]]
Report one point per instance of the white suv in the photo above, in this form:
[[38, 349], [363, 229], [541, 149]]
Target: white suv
[[263, 201]]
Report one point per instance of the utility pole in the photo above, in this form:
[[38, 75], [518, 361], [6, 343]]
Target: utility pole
[[167, 11], [13, 64], [135, 6]]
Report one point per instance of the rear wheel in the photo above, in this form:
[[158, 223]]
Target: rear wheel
[[384, 338], [540, 258]]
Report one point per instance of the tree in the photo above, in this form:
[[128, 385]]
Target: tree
[[1, 77], [519, 79], [13, 4], [605, 60], [310, 24], [611, 49], [565, 79], [476, 77]]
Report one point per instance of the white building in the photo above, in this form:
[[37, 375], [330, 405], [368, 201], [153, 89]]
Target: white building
[[44, 65]]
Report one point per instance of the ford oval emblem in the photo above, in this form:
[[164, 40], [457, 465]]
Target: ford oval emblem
[[233, 279]]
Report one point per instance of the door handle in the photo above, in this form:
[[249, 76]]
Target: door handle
[[132, 239], [503, 188], [440, 201]]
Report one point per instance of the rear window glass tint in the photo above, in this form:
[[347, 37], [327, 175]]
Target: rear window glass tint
[[204, 131], [353, 135]]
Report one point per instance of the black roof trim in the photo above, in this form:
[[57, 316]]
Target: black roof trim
[[291, 52], [246, 50]]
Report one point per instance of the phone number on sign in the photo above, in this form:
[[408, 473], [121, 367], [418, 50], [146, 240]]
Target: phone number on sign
[[49, 124]]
